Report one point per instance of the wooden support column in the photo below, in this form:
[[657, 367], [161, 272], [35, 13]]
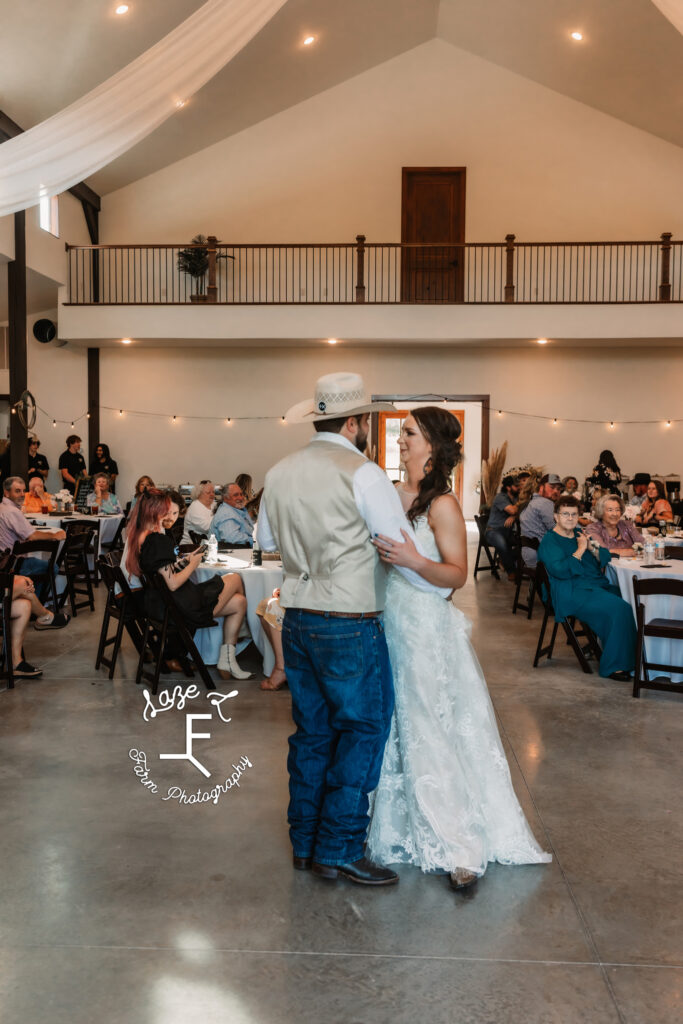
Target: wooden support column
[[93, 399], [18, 370]]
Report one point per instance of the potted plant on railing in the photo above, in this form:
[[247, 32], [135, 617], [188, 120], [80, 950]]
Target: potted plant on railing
[[195, 263]]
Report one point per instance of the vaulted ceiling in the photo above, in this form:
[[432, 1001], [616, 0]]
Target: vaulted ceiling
[[629, 64]]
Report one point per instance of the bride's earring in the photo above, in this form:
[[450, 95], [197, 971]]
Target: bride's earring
[[427, 468]]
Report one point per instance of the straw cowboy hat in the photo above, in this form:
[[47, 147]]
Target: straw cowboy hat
[[336, 394]]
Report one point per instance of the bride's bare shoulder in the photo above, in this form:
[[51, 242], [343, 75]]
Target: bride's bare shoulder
[[445, 510]]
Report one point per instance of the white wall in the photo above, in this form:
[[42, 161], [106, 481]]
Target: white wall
[[582, 383], [45, 252], [58, 379], [538, 164]]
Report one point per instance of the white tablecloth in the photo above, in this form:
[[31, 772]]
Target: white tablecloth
[[108, 524], [621, 571], [259, 582]]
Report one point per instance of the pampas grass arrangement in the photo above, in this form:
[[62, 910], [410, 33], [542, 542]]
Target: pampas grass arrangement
[[492, 472]]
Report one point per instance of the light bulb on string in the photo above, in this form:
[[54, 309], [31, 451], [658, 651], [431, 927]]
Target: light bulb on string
[[283, 419], [668, 423], [611, 424], [72, 424], [174, 419], [555, 421], [229, 421], [54, 423], [120, 412], [500, 412], [87, 415], [14, 411]]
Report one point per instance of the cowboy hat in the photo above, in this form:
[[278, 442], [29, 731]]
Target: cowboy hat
[[336, 394]]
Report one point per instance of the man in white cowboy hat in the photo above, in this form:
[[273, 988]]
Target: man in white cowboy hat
[[320, 508]]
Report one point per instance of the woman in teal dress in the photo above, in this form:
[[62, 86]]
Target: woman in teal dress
[[579, 588]]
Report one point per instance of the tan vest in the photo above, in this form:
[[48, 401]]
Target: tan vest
[[328, 560]]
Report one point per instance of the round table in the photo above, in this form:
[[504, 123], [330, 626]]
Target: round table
[[56, 521], [621, 571], [259, 582]]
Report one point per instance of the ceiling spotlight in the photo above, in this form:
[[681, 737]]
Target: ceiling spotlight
[[309, 40], [122, 9], [126, 341], [541, 341], [180, 104], [331, 341], [577, 36]]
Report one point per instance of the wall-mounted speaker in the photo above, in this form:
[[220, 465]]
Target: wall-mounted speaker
[[44, 331]]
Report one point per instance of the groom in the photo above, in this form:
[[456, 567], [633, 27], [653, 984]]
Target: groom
[[320, 508]]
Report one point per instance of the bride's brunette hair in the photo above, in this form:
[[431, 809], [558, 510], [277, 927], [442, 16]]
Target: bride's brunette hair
[[149, 509], [442, 430]]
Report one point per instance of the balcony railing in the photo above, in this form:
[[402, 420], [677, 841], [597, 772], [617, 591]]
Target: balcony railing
[[379, 273]]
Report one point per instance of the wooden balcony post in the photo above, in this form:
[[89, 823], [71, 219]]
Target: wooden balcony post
[[212, 290], [509, 268], [665, 272], [360, 269]]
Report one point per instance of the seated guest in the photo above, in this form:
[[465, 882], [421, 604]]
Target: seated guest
[[36, 498], [101, 499], [102, 462], [143, 483], [14, 526], [272, 615], [24, 604], [655, 506], [200, 511], [570, 485], [37, 464], [253, 499], [578, 587], [500, 522], [611, 530], [232, 522], [173, 524], [72, 463], [150, 550], [537, 518], [640, 484]]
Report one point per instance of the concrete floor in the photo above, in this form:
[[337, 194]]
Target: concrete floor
[[121, 907]]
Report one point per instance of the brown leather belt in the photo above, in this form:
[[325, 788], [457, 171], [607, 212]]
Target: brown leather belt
[[342, 615]]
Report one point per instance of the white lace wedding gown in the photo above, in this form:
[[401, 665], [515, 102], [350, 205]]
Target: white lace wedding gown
[[445, 798]]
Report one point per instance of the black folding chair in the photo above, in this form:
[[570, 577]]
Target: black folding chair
[[591, 647], [196, 538], [122, 606], [482, 522], [156, 630], [525, 572], [23, 549], [72, 563], [6, 590], [661, 628], [116, 543]]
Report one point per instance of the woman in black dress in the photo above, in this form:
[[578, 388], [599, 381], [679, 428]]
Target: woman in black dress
[[151, 550]]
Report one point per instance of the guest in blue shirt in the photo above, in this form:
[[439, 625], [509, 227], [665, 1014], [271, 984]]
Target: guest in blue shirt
[[578, 587], [231, 522]]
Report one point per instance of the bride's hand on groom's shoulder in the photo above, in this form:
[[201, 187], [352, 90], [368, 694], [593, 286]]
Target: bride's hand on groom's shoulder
[[394, 552]]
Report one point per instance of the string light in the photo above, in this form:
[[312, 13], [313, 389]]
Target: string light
[[14, 411], [229, 421], [174, 419], [120, 412], [87, 415], [54, 423], [555, 421], [668, 423], [72, 424], [611, 424]]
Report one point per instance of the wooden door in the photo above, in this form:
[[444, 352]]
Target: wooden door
[[388, 429], [433, 210]]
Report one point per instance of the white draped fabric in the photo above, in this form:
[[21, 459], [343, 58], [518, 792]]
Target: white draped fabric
[[673, 10], [87, 135]]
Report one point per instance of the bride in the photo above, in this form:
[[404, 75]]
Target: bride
[[445, 800]]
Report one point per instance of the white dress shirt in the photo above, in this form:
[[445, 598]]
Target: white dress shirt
[[198, 518], [379, 505]]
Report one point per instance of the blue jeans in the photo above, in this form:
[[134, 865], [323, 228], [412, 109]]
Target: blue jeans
[[339, 675], [500, 538], [36, 569]]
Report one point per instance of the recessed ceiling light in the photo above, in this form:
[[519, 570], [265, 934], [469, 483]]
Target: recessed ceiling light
[[577, 36], [541, 341], [122, 9], [309, 40], [126, 341], [331, 341], [180, 104]]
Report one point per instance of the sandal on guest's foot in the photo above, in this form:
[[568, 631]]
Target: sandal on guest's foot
[[25, 671], [462, 879], [621, 677], [58, 621], [275, 681]]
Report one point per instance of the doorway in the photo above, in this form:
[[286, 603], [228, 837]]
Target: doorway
[[433, 211]]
